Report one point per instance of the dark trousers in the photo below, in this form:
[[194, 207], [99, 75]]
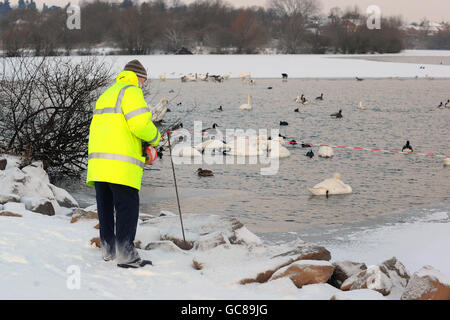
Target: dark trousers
[[125, 201]]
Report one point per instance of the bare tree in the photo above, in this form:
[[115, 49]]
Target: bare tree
[[47, 107]]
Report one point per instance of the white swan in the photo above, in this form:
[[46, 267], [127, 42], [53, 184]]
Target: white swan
[[245, 75], [361, 106], [227, 76], [331, 186], [204, 77], [213, 144], [184, 150], [159, 110], [326, 152], [276, 150], [162, 77], [244, 146], [248, 105]]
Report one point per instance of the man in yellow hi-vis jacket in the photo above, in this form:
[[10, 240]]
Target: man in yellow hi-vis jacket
[[120, 123]]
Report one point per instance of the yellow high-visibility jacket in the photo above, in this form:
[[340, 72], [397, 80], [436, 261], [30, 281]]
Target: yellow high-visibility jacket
[[120, 122]]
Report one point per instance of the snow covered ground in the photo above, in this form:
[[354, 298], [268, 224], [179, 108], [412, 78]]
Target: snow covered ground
[[297, 66], [48, 257]]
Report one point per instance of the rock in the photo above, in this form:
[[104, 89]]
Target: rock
[[15, 181], [389, 277], [63, 198], [427, 284], [4, 198], [301, 252], [39, 205], [244, 236], [164, 245], [14, 207], [3, 163], [95, 242], [210, 241], [344, 270], [97, 226], [80, 214], [9, 214], [306, 272], [36, 169], [146, 234], [360, 294]]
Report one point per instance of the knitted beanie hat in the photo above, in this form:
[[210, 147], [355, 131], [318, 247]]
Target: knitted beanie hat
[[137, 68]]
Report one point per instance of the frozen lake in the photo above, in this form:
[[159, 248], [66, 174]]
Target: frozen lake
[[385, 186]]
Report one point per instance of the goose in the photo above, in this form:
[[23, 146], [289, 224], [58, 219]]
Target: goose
[[359, 79], [310, 154], [331, 186], [211, 131], [304, 100], [204, 77], [337, 115], [283, 123], [407, 147], [361, 106], [326, 152], [248, 105], [299, 99], [204, 173], [320, 97], [447, 104], [306, 145], [219, 109]]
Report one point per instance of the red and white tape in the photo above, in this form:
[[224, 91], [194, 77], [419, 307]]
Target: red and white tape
[[331, 146]]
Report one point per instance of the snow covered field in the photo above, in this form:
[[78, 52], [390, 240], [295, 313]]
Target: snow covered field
[[297, 66]]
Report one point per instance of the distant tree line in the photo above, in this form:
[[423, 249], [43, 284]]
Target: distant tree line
[[168, 26]]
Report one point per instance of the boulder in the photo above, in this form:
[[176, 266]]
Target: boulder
[[147, 234], [301, 251], [80, 214], [306, 272], [63, 198], [427, 284], [9, 214], [167, 246], [344, 270], [4, 198], [388, 277], [39, 205], [36, 169], [3, 163], [210, 241], [14, 207]]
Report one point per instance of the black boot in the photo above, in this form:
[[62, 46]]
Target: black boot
[[138, 263]]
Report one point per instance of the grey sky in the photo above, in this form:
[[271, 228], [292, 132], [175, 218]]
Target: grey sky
[[411, 10]]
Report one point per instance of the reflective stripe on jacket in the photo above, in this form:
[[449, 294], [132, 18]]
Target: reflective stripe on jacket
[[120, 122]]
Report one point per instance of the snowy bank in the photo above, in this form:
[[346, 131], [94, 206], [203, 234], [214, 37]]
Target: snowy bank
[[53, 257]]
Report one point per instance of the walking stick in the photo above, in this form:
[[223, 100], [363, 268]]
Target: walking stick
[[176, 187]]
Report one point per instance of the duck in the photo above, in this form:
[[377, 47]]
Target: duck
[[219, 109], [304, 100], [283, 123], [248, 105], [212, 131], [269, 88], [331, 186], [407, 147], [204, 77], [310, 154], [359, 79], [320, 97], [204, 173], [306, 145], [171, 91], [296, 110], [292, 142], [337, 115], [441, 105], [277, 150], [326, 152], [447, 104]]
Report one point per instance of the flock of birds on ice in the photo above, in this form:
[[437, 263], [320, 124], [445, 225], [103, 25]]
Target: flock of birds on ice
[[257, 145]]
